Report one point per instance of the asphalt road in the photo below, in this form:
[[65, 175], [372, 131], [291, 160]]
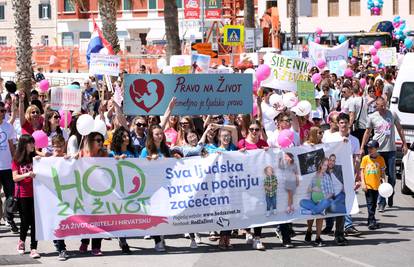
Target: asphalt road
[[391, 245]]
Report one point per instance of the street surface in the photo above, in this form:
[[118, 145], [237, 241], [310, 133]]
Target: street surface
[[391, 245]]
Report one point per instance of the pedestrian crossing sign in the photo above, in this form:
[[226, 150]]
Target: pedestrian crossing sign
[[233, 35]]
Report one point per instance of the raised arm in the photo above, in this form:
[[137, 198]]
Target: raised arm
[[168, 112]]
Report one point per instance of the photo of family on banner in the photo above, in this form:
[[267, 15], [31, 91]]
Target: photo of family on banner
[[104, 197]]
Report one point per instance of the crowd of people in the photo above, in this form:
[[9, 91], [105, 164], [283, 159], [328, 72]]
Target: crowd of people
[[345, 111]]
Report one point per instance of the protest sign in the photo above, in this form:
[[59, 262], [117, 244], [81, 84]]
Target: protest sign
[[291, 53], [181, 70], [104, 64], [191, 9], [388, 56], [317, 51], [200, 63], [249, 40], [196, 94], [104, 197], [338, 67], [286, 71], [306, 91], [65, 98]]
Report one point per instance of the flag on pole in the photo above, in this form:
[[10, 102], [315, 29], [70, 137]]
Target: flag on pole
[[97, 42]]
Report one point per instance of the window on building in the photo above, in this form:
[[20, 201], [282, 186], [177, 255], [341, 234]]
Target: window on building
[[333, 8], [67, 39], [84, 35], [68, 6], [411, 7], [3, 40], [2, 11], [127, 4], [395, 9], [355, 7], [152, 4], [314, 8], [143, 38], [179, 3], [45, 11], [44, 39]]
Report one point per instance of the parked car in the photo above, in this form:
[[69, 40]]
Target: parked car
[[407, 172]]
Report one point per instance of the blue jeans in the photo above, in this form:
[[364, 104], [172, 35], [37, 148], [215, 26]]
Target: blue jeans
[[338, 204], [270, 203], [389, 158], [316, 208]]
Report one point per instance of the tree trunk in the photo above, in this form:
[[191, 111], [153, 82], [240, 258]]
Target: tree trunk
[[249, 21], [171, 29], [293, 17], [22, 26], [107, 11]]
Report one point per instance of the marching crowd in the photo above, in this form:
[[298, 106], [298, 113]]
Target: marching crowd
[[347, 109]]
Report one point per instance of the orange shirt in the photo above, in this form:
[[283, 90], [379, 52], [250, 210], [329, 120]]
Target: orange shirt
[[373, 169]]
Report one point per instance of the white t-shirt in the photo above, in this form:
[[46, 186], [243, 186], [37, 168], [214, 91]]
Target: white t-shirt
[[269, 113], [336, 137], [49, 148], [73, 146], [6, 134], [362, 112], [345, 103]]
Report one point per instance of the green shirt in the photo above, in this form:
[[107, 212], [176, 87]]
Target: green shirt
[[270, 181]]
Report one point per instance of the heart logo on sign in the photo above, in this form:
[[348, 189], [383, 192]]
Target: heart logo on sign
[[146, 95]]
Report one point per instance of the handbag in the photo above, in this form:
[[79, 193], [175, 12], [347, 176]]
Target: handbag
[[12, 202]]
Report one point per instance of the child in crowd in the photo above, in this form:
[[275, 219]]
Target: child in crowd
[[372, 174], [270, 186], [289, 173]]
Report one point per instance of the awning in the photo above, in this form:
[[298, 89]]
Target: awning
[[156, 34]]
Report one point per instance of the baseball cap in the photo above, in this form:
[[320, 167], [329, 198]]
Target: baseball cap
[[373, 143]]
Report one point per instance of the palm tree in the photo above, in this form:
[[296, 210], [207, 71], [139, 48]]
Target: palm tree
[[107, 10], [171, 28], [293, 17], [249, 14], [22, 26]]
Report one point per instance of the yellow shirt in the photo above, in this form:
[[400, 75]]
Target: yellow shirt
[[373, 169], [108, 141]]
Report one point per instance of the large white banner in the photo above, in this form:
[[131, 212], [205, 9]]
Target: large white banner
[[101, 64], [286, 71], [103, 197], [317, 51]]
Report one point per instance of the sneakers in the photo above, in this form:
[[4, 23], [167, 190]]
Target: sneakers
[[13, 227], [20, 247], [288, 244], [278, 234], [373, 226], [187, 235], [193, 244], [351, 231], [391, 201], [249, 238], [147, 237], [381, 208], [97, 252], [159, 247], [63, 255], [125, 249], [257, 244], [34, 254], [83, 248], [308, 236], [197, 238], [268, 213], [318, 242], [341, 241], [213, 236]]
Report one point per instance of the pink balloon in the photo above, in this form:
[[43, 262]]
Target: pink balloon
[[41, 139], [372, 51], [44, 85], [377, 44], [348, 73], [316, 78], [363, 83], [317, 40], [62, 114], [262, 72], [321, 63], [318, 31], [285, 138], [353, 61], [376, 60]]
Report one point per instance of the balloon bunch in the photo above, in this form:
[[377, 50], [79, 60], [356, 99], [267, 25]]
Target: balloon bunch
[[373, 51], [318, 32], [400, 31], [375, 6]]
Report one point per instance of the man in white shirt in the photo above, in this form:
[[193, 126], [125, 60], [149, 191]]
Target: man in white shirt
[[346, 94]]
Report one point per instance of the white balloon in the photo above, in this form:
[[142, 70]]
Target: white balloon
[[99, 127], [385, 190], [84, 124]]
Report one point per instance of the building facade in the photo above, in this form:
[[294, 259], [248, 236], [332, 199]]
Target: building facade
[[43, 19], [340, 16]]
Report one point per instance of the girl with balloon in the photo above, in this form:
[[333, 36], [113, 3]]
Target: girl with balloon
[[52, 128]]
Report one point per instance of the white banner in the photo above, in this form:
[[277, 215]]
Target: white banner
[[249, 40], [104, 64], [388, 56], [65, 98], [317, 51], [338, 67], [286, 71], [103, 197]]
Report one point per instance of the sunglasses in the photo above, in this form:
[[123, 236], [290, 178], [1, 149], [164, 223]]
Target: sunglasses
[[138, 124], [35, 112], [184, 123], [98, 140], [254, 129], [56, 117]]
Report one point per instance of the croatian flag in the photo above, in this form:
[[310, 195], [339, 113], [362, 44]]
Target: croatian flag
[[97, 43]]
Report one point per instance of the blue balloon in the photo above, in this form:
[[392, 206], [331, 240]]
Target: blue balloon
[[350, 53], [408, 43], [341, 39], [397, 19]]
